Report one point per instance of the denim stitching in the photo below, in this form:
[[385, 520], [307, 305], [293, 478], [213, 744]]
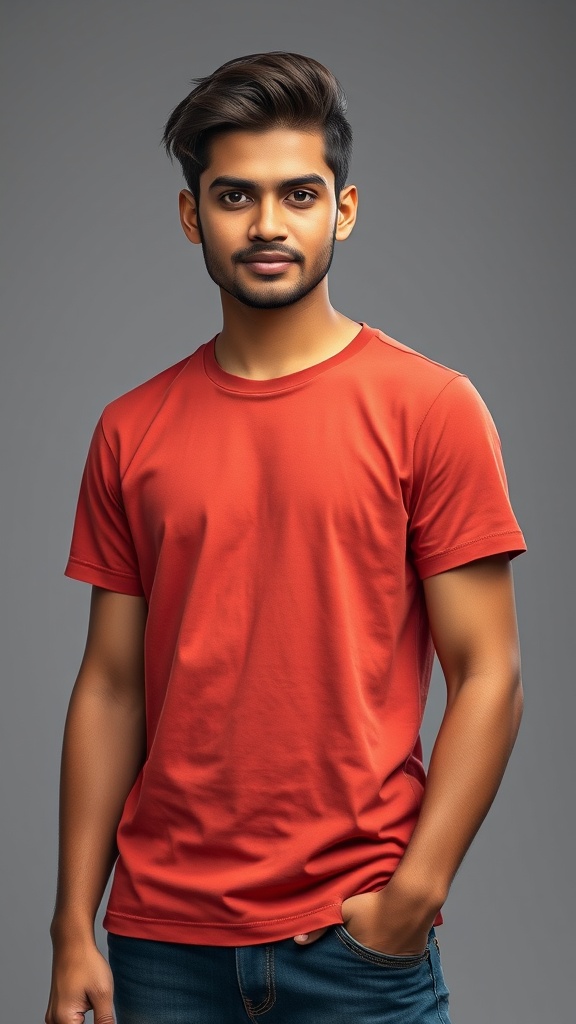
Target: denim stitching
[[441, 1016], [271, 997], [380, 959], [245, 998]]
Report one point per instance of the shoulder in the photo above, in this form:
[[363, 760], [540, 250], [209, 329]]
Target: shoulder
[[126, 418], [410, 362], [413, 380]]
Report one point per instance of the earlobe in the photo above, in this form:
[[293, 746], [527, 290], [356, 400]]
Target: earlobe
[[188, 216]]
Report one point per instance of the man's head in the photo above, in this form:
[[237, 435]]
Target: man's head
[[265, 147]]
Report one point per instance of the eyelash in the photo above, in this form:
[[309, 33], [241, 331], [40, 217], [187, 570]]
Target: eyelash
[[237, 192]]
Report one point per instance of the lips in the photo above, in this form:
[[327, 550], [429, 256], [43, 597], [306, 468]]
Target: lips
[[269, 263]]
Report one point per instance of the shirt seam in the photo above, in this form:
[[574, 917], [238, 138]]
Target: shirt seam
[[288, 387], [103, 568], [442, 389], [408, 351], [433, 402], [466, 543], [148, 426], [117, 496], [211, 924]]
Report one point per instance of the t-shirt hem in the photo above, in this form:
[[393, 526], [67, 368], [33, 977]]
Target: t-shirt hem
[[87, 572], [510, 541], [245, 933]]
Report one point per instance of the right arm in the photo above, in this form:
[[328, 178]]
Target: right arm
[[104, 747]]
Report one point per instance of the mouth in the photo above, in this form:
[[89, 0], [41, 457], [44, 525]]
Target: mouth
[[269, 264]]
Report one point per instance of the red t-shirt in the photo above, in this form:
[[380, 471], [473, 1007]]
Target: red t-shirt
[[279, 530]]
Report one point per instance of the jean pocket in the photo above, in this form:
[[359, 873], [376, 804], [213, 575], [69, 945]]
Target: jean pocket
[[375, 956]]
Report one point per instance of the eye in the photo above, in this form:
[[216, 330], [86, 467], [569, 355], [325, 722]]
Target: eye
[[305, 198], [226, 194], [302, 192]]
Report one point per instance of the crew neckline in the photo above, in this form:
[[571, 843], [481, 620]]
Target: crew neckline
[[247, 385]]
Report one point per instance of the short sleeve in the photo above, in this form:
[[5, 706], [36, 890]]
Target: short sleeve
[[102, 550], [459, 503]]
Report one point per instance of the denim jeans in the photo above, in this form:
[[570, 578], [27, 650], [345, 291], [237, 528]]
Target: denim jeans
[[334, 980]]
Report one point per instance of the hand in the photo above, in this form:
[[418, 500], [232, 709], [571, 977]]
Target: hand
[[389, 921], [392, 920], [81, 981]]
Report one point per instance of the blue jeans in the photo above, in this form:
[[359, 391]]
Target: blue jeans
[[334, 980]]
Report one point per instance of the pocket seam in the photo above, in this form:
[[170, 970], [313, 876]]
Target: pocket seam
[[376, 957]]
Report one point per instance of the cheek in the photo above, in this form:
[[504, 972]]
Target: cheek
[[319, 228], [223, 231]]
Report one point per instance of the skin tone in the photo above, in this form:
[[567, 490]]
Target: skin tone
[[273, 326]]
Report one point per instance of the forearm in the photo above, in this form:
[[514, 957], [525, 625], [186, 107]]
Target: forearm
[[103, 749], [468, 761]]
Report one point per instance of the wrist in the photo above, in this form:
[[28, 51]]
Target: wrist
[[71, 928]]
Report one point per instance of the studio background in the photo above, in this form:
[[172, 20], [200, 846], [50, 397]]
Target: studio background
[[463, 249]]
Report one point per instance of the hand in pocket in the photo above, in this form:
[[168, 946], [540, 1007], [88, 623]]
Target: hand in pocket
[[388, 921]]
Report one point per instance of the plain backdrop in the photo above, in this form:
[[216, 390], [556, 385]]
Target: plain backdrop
[[463, 249]]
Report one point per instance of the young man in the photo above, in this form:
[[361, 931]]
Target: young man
[[279, 530]]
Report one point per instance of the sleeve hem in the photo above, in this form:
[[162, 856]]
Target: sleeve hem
[[103, 577], [510, 541]]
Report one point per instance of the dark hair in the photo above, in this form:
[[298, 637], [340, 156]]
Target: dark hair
[[254, 93]]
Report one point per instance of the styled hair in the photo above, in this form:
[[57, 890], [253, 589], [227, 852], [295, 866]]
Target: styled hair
[[258, 92]]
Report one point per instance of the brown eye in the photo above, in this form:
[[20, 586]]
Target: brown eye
[[307, 195], [226, 194]]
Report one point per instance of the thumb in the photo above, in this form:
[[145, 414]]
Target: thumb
[[103, 1008], [306, 938]]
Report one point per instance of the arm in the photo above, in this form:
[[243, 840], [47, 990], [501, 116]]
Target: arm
[[472, 618], [104, 747]]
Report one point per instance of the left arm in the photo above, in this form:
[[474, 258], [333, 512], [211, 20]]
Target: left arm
[[472, 616]]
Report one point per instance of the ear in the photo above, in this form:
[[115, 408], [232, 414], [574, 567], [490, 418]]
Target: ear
[[189, 216], [347, 210]]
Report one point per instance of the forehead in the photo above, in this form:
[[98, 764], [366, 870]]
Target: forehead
[[267, 156]]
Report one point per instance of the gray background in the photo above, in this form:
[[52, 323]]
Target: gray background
[[463, 249]]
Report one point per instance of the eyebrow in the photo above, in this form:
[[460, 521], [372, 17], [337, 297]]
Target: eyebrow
[[305, 179]]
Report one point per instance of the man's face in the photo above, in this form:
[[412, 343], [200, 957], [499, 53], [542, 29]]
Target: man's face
[[268, 203]]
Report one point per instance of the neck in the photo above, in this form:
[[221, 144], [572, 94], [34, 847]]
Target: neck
[[264, 343]]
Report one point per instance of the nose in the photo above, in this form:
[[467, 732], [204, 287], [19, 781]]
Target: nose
[[268, 219]]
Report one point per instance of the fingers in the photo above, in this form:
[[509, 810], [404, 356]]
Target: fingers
[[306, 938], [103, 1013], [79, 987]]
